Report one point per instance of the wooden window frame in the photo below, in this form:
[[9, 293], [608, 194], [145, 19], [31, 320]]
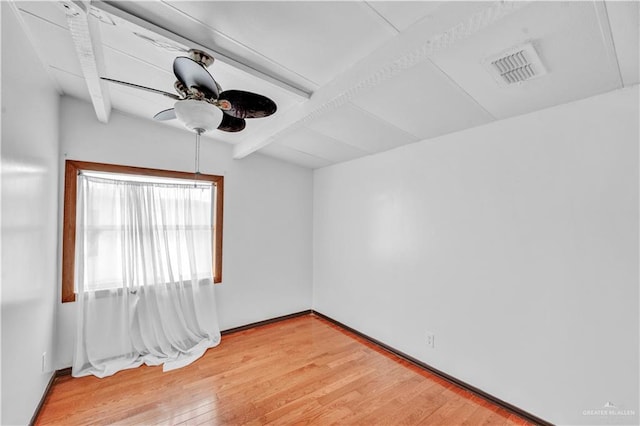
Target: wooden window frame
[[73, 167]]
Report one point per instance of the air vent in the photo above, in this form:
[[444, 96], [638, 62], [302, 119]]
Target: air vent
[[516, 65]]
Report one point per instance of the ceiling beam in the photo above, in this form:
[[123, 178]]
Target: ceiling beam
[[404, 51], [85, 32], [150, 26]]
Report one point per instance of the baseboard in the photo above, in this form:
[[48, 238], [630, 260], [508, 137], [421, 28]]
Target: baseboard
[[265, 322], [45, 394], [63, 372], [482, 394]]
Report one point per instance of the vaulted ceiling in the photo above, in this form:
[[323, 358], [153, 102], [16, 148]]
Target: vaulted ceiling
[[350, 78]]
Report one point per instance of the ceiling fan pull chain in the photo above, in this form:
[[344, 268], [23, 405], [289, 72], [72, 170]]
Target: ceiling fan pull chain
[[197, 161]]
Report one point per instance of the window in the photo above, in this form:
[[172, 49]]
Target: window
[[73, 168]]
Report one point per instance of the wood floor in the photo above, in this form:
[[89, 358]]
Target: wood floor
[[303, 370]]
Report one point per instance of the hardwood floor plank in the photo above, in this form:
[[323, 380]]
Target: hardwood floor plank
[[303, 370], [396, 409]]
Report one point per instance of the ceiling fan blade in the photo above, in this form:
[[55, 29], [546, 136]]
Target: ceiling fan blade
[[148, 89], [231, 124], [241, 104], [167, 114], [191, 73]]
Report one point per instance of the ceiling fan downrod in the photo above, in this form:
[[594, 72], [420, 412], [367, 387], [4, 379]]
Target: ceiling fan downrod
[[201, 57]]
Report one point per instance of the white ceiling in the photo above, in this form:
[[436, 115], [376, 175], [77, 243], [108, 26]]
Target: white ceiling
[[350, 78]]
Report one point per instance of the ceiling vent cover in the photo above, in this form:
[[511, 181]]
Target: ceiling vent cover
[[516, 65]]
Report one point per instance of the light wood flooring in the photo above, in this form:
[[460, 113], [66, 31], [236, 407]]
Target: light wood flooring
[[304, 370]]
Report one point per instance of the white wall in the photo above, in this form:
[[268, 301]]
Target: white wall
[[267, 234], [516, 243], [29, 222]]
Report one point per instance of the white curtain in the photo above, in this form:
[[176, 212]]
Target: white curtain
[[143, 274]]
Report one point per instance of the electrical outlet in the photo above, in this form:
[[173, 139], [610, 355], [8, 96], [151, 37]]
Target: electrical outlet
[[431, 340]]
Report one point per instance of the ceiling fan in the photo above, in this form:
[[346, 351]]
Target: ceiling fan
[[201, 104]]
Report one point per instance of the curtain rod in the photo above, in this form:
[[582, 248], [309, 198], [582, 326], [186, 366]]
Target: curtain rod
[[146, 179]]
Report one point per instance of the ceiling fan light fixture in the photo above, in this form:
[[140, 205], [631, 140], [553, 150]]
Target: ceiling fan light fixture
[[198, 115]]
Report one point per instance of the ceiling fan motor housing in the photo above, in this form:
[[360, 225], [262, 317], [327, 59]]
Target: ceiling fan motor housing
[[201, 57]]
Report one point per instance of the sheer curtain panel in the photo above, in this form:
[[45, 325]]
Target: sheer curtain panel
[[143, 274]]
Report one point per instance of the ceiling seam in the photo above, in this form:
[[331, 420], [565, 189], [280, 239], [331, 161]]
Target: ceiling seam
[[66, 71], [384, 121], [461, 89], [319, 133], [55, 24], [382, 17], [461, 31], [135, 58], [607, 35], [303, 163], [305, 153]]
